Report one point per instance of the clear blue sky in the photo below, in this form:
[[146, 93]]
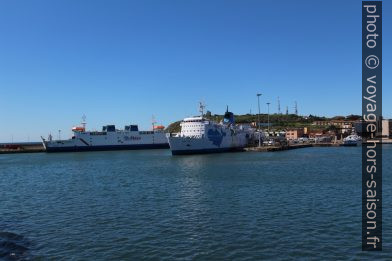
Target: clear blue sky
[[119, 62]]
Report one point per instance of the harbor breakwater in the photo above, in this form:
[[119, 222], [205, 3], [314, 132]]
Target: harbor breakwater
[[21, 147]]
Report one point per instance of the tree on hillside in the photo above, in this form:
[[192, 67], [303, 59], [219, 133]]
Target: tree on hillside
[[353, 117], [339, 118], [174, 127]]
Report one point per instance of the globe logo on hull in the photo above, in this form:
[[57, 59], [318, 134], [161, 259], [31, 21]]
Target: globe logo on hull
[[215, 136], [132, 138]]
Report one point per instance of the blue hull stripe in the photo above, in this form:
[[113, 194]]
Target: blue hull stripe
[[108, 147], [205, 151], [85, 143]]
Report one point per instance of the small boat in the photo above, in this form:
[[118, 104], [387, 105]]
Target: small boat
[[352, 140]]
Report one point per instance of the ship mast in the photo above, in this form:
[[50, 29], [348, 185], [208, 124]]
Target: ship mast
[[84, 122], [202, 106], [153, 122]]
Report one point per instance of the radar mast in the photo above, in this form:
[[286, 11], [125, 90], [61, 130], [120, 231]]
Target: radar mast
[[202, 106], [84, 121]]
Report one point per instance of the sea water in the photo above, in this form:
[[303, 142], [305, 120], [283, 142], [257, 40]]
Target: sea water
[[150, 205]]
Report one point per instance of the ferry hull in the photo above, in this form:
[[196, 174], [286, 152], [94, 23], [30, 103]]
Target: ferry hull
[[187, 146], [106, 147]]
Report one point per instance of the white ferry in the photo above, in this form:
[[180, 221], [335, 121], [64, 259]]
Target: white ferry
[[200, 135], [108, 139]]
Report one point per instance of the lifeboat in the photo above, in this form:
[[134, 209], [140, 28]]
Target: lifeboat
[[78, 128], [159, 127]]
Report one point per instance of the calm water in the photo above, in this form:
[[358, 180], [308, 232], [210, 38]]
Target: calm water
[[136, 205]]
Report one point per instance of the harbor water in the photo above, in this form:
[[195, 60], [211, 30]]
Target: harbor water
[[149, 205]]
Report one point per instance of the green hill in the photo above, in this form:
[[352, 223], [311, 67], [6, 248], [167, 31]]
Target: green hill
[[279, 121]]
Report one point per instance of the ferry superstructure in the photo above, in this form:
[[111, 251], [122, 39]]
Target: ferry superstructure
[[201, 135], [109, 138]]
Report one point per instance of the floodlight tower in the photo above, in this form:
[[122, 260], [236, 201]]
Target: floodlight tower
[[296, 108], [258, 117]]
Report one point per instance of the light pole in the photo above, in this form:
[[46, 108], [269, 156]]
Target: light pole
[[268, 118], [258, 117]]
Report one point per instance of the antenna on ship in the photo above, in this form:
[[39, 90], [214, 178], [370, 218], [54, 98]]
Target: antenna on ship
[[202, 106], [153, 121], [84, 121]]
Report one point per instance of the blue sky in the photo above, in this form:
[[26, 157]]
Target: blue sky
[[120, 62]]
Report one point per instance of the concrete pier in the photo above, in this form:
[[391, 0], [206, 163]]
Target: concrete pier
[[290, 147], [22, 147], [277, 148]]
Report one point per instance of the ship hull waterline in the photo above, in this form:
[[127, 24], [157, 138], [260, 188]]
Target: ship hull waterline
[[107, 147], [206, 151]]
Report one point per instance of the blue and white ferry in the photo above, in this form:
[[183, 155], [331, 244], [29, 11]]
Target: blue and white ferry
[[201, 135], [109, 138]]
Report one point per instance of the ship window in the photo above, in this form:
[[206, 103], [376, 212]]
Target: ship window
[[109, 128], [134, 128]]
